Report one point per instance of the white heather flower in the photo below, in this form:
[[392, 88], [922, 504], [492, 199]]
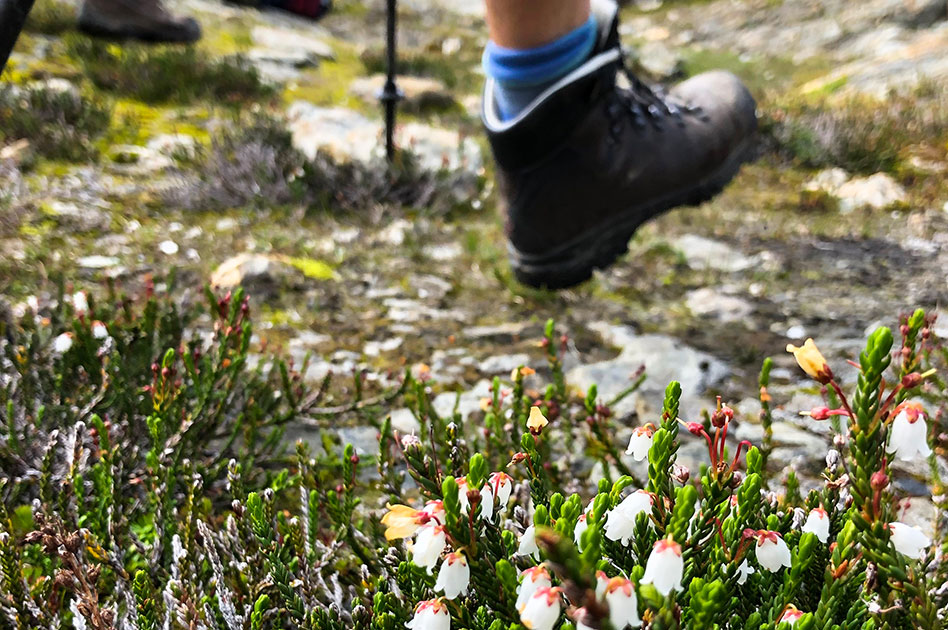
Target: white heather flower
[[454, 576], [772, 551], [528, 543], [532, 579], [602, 581], [501, 485], [99, 331], [908, 435], [579, 614], [428, 546], [818, 522], [487, 499], [791, 615], [640, 442], [435, 509], [590, 506], [430, 614], [909, 541], [62, 343], [79, 303], [581, 526], [665, 566], [623, 604], [620, 521], [744, 571], [542, 610], [487, 502]]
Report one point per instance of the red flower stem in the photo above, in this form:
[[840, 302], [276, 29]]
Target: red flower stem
[[842, 398]]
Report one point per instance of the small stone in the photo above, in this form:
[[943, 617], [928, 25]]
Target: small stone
[[828, 180], [659, 60], [444, 252], [258, 273], [133, 159], [710, 302], [877, 191], [96, 261], [226, 224], [703, 253], [85, 218], [376, 348], [169, 248], [291, 41]]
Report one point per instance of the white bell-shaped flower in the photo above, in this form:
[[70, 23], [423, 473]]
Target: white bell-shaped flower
[[62, 343], [791, 615], [435, 509], [99, 330], [908, 435], [532, 579], [428, 545], [579, 614], [487, 499], [818, 522], [79, 303], [623, 604], [501, 485], [909, 541], [454, 576], [772, 551], [620, 521], [542, 611], [430, 614], [602, 581], [581, 526], [665, 566], [744, 571], [640, 442], [528, 543]]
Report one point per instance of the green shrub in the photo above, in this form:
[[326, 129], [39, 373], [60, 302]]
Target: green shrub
[[51, 17], [144, 487], [59, 124], [158, 74]]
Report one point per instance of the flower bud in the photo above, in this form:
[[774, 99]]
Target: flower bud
[[910, 381], [879, 480], [819, 413]]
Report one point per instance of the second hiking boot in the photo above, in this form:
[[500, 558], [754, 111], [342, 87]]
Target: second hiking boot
[[146, 20], [589, 161]]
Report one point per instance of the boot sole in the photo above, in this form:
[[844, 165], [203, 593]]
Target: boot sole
[[574, 262]]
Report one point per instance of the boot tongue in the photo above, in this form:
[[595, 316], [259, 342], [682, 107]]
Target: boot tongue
[[606, 13]]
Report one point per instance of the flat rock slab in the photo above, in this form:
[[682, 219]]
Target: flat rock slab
[[347, 135], [704, 253], [291, 43], [665, 359]]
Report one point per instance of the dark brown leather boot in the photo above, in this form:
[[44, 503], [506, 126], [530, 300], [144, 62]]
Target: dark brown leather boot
[[146, 20], [589, 161]]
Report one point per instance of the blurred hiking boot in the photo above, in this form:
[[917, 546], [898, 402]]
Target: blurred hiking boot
[[146, 20], [313, 9], [589, 160]]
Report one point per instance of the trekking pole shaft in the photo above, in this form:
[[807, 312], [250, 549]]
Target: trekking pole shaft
[[390, 94], [12, 17]]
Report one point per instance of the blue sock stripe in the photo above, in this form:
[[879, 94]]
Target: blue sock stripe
[[533, 66]]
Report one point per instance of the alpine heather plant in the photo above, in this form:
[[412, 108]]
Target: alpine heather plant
[[530, 514]]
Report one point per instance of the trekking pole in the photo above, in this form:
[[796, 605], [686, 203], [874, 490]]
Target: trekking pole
[[12, 17], [390, 94]]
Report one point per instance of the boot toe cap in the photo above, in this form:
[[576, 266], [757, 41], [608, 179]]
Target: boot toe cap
[[723, 97]]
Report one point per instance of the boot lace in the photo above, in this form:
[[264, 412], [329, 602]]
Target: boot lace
[[645, 104]]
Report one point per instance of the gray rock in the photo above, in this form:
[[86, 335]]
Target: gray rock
[[501, 333], [348, 135], [877, 191], [712, 303], [376, 348], [282, 41], [131, 159], [467, 402], [703, 253], [923, 13], [665, 359], [659, 60], [503, 363], [79, 218], [173, 145]]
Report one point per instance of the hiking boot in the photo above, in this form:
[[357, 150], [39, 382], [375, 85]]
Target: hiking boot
[[589, 161], [146, 20]]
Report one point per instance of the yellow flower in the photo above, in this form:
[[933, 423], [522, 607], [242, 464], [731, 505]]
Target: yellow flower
[[521, 371], [401, 521], [536, 421], [809, 358]]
